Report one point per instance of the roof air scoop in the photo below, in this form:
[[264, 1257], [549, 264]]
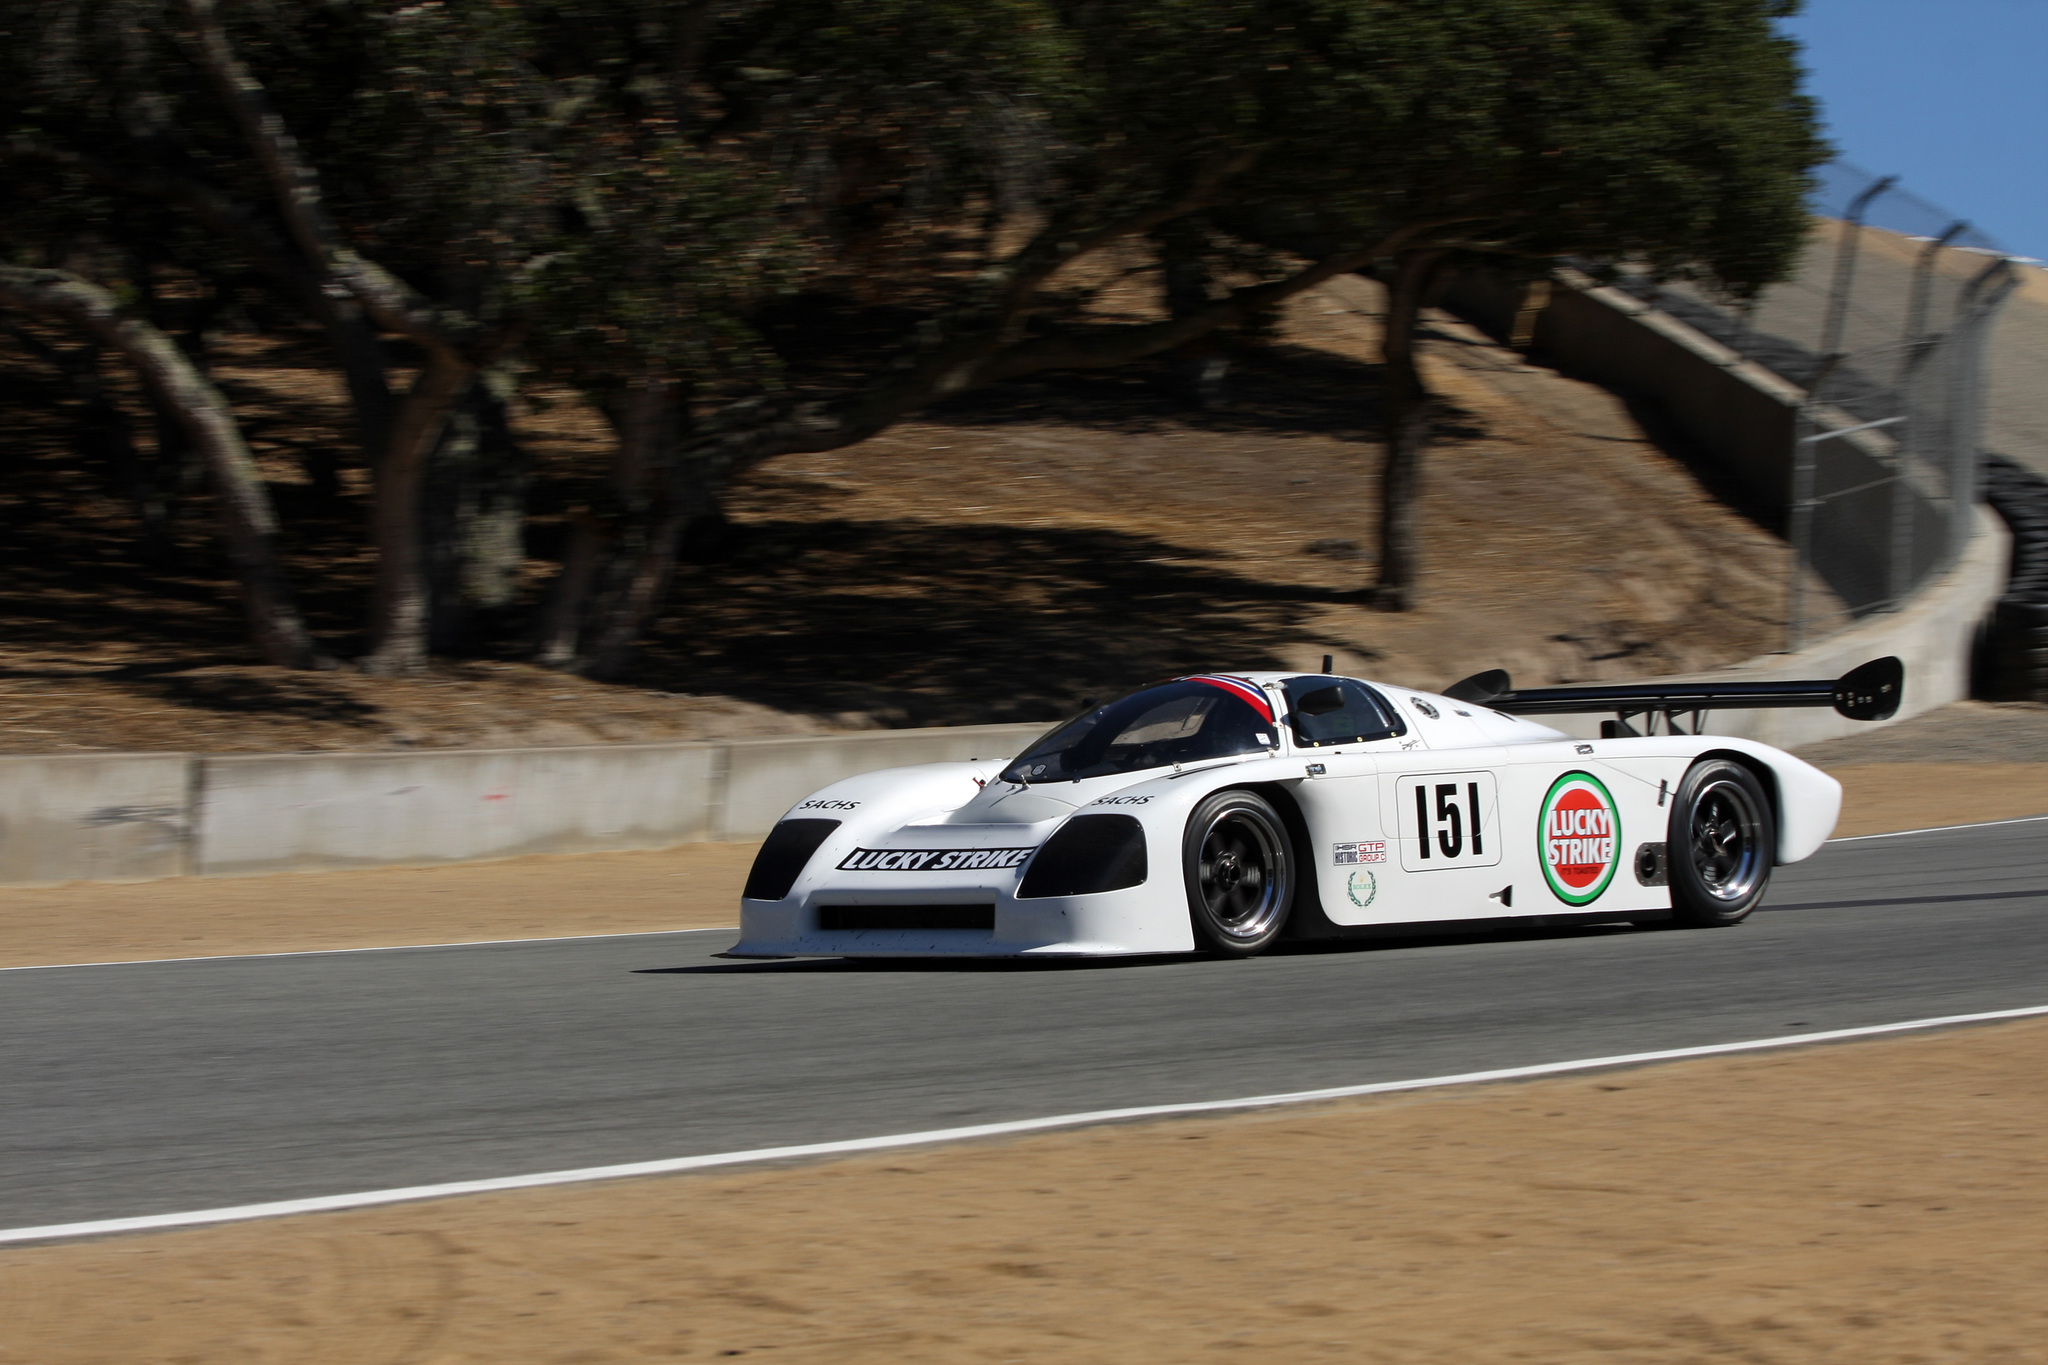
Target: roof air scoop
[[1481, 688]]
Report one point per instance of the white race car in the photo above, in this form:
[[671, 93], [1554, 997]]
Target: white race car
[[1225, 812]]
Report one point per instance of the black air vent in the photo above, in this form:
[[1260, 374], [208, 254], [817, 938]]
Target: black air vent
[[783, 855], [1088, 853], [853, 918]]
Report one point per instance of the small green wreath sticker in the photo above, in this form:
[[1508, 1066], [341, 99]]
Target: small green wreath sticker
[[1578, 838]]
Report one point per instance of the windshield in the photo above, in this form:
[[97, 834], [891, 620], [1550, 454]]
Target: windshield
[[1177, 722]]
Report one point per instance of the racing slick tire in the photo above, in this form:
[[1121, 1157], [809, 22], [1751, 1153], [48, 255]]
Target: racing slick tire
[[1239, 866], [1723, 842]]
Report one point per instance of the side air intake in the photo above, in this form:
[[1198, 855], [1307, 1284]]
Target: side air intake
[[783, 855], [1088, 853]]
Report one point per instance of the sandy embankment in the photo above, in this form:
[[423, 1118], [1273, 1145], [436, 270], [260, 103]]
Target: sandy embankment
[[1864, 1204]]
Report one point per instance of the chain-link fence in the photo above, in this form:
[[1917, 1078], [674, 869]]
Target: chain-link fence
[[1883, 324]]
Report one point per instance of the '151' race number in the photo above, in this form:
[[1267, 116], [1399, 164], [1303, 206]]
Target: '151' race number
[[1447, 820]]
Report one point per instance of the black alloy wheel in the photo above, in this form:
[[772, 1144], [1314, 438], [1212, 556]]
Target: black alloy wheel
[[1723, 843], [1240, 873]]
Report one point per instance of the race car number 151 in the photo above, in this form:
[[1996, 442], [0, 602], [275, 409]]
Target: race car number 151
[[1447, 821]]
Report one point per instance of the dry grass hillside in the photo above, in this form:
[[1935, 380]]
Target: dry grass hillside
[[1000, 558]]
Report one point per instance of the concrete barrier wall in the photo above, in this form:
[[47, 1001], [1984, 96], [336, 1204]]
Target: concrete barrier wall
[[1745, 418], [767, 777], [278, 812], [1740, 413], [134, 817], [1934, 635], [116, 817]]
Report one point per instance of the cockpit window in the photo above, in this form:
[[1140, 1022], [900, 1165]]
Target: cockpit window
[[1177, 722], [1327, 711]]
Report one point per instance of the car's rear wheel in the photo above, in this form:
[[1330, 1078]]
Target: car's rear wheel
[[1239, 867], [1723, 843]]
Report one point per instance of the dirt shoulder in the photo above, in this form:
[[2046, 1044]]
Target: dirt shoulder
[[1956, 764], [1868, 1204], [1963, 732], [696, 886]]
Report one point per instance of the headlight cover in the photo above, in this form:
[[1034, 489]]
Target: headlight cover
[[1089, 853], [783, 855]]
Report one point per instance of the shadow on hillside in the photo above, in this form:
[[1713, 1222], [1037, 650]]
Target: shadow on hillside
[[902, 622], [1275, 390], [920, 624]]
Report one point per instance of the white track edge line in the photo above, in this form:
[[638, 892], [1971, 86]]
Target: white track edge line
[[372, 1198], [377, 948], [1940, 829]]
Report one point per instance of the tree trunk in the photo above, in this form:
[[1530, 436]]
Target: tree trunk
[[400, 606], [360, 356], [248, 522], [175, 472], [561, 621], [617, 569], [1407, 425], [106, 444], [477, 479], [1201, 367], [651, 483]]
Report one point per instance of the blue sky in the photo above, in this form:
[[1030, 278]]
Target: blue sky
[[1949, 95]]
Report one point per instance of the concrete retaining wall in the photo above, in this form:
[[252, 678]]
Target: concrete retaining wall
[[135, 817], [1741, 417], [767, 777], [1745, 418], [273, 813], [1934, 635], [1740, 413], [124, 817]]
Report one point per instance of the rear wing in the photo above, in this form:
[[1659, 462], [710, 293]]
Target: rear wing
[[1869, 692]]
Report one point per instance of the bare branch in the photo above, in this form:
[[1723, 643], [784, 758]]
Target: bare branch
[[751, 432], [296, 186], [248, 523], [353, 340], [1059, 242]]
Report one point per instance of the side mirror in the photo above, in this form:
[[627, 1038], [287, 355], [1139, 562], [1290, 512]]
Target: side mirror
[[1321, 702], [1872, 691]]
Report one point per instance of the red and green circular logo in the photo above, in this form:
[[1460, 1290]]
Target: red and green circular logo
[[1579, 833]]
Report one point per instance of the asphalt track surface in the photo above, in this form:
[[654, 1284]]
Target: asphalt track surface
[[162, 1087]]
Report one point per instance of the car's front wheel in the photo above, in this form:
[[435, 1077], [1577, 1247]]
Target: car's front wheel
[[1240, 873], [1723, 843]]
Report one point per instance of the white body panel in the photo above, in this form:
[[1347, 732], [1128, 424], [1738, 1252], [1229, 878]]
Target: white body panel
[[953, 834]]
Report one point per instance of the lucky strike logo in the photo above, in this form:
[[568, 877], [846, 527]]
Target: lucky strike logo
[[1579, 832], [932, 859]]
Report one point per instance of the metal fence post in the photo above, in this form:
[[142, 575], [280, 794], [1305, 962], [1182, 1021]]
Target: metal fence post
[[1837, 316], [1923, 279], [1799, 528], [1985, 294], [1899, 571]]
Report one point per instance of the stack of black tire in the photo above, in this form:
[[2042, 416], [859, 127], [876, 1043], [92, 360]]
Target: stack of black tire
[[2012, 658]]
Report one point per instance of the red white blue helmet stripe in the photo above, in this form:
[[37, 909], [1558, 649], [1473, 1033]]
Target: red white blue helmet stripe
[[1247, 692]]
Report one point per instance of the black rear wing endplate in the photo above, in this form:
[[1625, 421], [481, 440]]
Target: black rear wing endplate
[[1869, 692]]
